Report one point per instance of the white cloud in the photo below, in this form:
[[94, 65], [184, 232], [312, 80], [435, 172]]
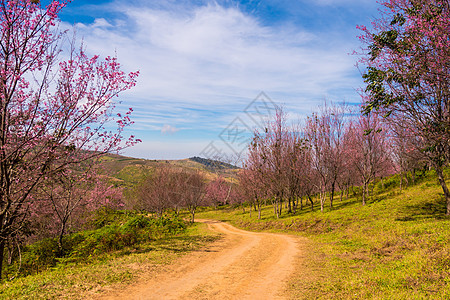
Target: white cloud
[[211, 53], [168, 129], [165, 150], [194, 58]]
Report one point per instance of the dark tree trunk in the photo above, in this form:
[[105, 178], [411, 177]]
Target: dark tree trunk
[[193, 215], [441, 178], [312, 203], [60, 244], [2, 252], [332, 194]]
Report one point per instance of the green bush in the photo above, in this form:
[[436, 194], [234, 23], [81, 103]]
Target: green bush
[[112, 231], [37, 257], [104, 216]]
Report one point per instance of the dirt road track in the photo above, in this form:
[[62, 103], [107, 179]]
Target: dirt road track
[[242, 265]]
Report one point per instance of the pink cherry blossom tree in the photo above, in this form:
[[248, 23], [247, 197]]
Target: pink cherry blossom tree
[[54, 113], [368, 150], [66, 199], [193, 185], [218, 191], [407, 76], [318, 139], [268, 153], [325, 134], [405, 151]]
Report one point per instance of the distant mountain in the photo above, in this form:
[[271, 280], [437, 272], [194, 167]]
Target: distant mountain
[[213, 165], [128, 171]]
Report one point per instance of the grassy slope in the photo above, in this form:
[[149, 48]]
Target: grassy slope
[[128, 171], [79, 281], [396, 247]]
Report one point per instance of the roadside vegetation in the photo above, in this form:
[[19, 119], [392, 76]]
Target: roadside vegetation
[[118, 248], [397, 246]]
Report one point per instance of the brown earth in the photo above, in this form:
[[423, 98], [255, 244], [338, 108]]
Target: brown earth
[[241, 265]]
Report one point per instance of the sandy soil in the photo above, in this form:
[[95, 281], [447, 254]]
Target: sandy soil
[[241, 265]]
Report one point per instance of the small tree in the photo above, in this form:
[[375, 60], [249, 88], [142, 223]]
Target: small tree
[[369, 149], [267, 153], [68, 197], [317, 137], [154, 192], [193, 186], [218, 191]]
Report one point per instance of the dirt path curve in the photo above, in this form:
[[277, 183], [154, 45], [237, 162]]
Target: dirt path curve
[[242, 265]]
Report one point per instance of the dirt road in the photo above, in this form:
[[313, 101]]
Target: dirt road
[[242, 265]]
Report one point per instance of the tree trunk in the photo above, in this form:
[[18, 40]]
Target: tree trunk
[[2, 250], [10, 249], [364, 193], [62, 231], [332, 194], [312, 203], [322, 201], [444, 187], [401, 181], [259, 211], [193, 215]]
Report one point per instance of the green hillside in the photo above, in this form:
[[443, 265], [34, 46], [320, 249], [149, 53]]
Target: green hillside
[[128, 171], [395, 247]]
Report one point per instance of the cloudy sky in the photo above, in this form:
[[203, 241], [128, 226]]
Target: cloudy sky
[[203, 63]]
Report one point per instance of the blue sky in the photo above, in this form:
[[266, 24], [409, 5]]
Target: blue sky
[[203, 62]]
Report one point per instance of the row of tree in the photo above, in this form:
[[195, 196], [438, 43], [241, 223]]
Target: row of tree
[[172, 188], [405, 121], [334, 150]]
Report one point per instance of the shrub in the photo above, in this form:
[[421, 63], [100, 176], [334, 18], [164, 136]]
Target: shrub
[[112, 231]]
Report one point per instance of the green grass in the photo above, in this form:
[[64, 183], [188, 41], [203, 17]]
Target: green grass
[[395, 247], [81, 279]]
